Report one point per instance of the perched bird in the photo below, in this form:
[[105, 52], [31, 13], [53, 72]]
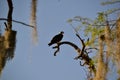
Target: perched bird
[[57, 38]]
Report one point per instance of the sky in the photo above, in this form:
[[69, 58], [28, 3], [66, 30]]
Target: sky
[[37, 62]]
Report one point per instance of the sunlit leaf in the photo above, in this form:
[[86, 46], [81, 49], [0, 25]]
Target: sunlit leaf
[[69, 20], [101, 17]]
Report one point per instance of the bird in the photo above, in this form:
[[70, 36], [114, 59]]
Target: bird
[[56, 39]]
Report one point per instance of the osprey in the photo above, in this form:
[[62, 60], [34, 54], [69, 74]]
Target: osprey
[[57, 38]]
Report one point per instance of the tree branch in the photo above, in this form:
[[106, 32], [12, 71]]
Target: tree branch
[[91, 48], [81, 55], [9, 20], [83, 45], [18, 22], [69, 43]]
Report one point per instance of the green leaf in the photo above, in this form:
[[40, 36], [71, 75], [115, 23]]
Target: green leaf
[[69, 20]]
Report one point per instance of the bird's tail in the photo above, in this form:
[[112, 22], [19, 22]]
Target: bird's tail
[[50, 44]]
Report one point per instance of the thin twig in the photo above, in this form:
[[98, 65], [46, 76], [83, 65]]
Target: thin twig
[[91, 48], [83, 45], [18, 22]]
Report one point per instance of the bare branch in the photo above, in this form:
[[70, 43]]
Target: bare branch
[[82, 64], [9, 20], [6, 26], [87, 23], [18, 22], [83, 45], [69, 43], [91, 48], [87, 60]]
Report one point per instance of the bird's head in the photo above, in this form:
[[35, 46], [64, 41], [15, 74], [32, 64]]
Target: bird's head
[[61, 32]]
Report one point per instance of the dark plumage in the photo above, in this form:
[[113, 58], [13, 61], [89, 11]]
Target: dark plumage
[[57, 38]]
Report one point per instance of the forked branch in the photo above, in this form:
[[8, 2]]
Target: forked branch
[[81, 54], [68, 43]]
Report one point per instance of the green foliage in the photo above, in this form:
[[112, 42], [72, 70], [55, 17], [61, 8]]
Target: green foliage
[[69, 20], [101, 17], [110, 11], [94, 32], [92, 28], [95, 29], [110, 2]]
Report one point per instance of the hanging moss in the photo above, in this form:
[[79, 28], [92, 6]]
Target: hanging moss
[[7, 47], [2, 55], [10, 39]]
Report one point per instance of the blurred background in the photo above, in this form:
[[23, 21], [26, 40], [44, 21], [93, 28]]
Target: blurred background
[[33, 58]]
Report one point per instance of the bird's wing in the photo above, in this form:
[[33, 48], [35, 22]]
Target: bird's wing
[[55, 39]]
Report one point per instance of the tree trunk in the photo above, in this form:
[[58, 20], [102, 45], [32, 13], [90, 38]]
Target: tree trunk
[[117, 55], [100, 73]]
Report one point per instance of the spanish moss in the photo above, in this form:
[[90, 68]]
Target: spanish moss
[[33, 20]]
